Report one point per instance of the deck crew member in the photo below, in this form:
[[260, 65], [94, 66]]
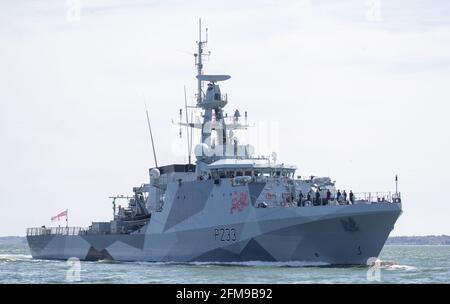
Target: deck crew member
[[352, 197], [317, 201], [300, 199], [328, 197], [344, 194]]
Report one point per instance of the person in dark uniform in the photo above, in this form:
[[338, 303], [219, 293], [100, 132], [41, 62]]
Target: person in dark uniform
[[300, 199], [308, 197], [352, 197], [328, 196], [344, 194], [338, 195], [317, 201]]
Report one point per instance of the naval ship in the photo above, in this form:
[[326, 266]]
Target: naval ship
[[228, 206]]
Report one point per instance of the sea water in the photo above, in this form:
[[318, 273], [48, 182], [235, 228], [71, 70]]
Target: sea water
[[398, 264]]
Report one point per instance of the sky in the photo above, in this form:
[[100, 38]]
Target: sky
[[357, 90]]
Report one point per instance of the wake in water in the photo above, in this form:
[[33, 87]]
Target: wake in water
[[107, 262], [394, 266], [264, 264], [387, 265], [383, 264], [14, 257], [240, 264]]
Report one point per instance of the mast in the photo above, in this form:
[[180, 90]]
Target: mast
[[199, 61], [206, 134], [210, 102], [189, 140]]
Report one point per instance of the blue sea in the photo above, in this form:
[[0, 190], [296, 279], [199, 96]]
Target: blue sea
[[399, 264]]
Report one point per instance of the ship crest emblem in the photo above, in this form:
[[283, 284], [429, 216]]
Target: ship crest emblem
[[238, 202], [349, 224]]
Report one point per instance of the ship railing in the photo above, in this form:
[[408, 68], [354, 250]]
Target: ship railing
[[286, 200], [56, 231], [376, 197]]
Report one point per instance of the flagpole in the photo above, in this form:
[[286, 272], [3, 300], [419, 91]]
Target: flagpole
[[67, 218]]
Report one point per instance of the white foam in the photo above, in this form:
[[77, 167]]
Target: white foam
[[15, 257], [265, 264], [246, 263], [399, 267], [106, 261]]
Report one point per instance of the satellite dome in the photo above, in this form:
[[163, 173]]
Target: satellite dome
[[203, 150], [155, 173]]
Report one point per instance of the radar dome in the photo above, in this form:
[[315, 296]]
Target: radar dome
[[155, 173], [203, 150]]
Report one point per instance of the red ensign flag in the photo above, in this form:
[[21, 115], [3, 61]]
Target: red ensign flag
[[59, 216]]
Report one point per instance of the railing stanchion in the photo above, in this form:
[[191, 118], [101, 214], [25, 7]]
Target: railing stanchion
[[55, 230]]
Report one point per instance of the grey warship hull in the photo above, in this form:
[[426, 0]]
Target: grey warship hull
[[349, 234]]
